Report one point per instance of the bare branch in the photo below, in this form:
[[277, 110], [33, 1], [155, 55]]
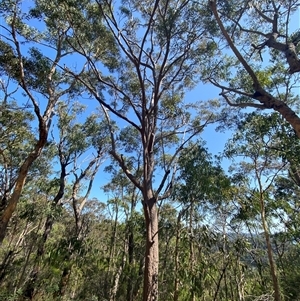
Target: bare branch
[[90, 88], [122, 164], [243, 104], [232, 46]]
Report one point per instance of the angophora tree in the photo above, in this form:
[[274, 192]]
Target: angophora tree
[[37, 76], [262, 66], [155, 50]]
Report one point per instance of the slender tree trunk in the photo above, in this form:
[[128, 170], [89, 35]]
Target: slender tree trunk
[[273, 269], [176, 281], [21, 179], [192, 252], [240, 280], [257, 259], [9, 257], [116, 280], [137, 287], [130, 263], [64, 280], [218, 288], [30, 286], [13, 200], [131, 247], [28, 255], [150, 292], [29, 290], [113, 239]]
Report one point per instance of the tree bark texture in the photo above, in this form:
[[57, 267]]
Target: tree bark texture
[[13, 200], [150, 292], [44, 123]]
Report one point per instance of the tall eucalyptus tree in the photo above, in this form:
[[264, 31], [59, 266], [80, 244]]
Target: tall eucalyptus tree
[[155, 52]]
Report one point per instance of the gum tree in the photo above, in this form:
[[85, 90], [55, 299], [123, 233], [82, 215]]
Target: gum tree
[[156, 48], [260, 67], [36, 76]]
